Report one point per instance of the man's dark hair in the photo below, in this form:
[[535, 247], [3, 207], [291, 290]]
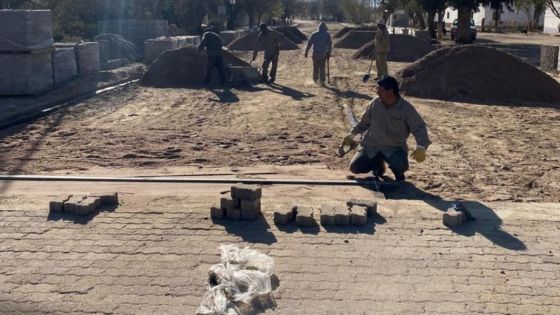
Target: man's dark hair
[[263, 27], [389, 83]]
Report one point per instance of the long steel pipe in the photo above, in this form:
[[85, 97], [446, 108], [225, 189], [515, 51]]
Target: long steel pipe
[[357, 182]]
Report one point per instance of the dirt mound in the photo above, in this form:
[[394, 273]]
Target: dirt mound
[[301, 35], [289, 34], [185, 67], [477, 73], [404, 48], [355, 39], [345, 30], [247, 43]]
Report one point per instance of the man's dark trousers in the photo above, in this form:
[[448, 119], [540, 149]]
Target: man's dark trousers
[[398, 163], [218, 63], [267, 61]]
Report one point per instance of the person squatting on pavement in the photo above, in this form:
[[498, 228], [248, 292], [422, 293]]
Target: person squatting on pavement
[[213, 44], [385, 126], [322, 47], [382, 47], [270, 41]]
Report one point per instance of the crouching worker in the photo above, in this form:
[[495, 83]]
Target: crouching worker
[[385, 126]]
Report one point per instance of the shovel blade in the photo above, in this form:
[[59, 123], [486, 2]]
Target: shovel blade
[[366, 78]]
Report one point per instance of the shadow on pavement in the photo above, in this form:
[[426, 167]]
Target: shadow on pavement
[[487, 223], [294, 94], [79, 218], [224, 95], [256, 231]]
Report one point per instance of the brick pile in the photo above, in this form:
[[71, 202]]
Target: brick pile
[[244, 203], [83, 205]]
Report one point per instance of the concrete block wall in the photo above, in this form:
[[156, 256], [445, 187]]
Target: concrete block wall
[[65, 66], [26, 74], [136, 31], [25, 30], [87, 57]]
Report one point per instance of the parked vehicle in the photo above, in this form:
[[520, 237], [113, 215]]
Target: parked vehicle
[[455, 26]]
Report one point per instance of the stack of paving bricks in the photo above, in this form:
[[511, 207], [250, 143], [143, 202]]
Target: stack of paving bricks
[[26, 45], [83, 204], [153, 48], [136, 31], [355, 212], [86, 57], [244, 203]]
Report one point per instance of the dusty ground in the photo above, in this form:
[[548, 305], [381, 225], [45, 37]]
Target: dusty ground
[[479, 152]]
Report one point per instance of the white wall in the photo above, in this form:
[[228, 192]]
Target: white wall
[[551, 22], [508, 18]]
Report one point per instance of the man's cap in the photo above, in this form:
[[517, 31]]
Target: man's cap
[[388, 83]]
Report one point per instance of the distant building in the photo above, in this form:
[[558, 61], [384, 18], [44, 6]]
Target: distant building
[[508, 19], [551, 22]]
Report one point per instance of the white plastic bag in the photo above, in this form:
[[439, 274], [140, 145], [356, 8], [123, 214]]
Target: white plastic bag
[[243, 275]]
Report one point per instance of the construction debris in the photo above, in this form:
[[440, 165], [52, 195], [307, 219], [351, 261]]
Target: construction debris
[[474, 73]]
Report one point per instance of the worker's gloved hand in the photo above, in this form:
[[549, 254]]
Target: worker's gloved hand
[[419, 154], [349, 140]]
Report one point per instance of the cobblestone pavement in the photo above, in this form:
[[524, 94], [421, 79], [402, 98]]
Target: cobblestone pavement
[[151, 256]]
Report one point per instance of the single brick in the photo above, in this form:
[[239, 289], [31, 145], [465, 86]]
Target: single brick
[[70, 204], [58, 205], [304, 216], [236, 202], [328, 215], [217, 213], [110, 199], [371, 205], [358, 215], [283, 214], [342, 215], [247, 192], [233, 213], [251, 205], [453, 218], [227, 203], [87, 205], [249, 215]]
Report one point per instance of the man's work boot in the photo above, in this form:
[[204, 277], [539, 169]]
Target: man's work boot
[[379, 169]]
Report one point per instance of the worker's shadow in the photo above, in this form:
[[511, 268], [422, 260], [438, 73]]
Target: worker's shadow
[[224, 95], [487, 223], [255, 231], [288, 91], [348, 94]]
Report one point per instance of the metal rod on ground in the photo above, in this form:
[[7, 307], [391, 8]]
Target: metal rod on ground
[[164, 180]]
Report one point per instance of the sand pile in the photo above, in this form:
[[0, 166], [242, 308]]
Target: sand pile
[[247, 43], [477, 73], [404, 48], [185, 67], [345, 30], [289, 34], [301, 35], [355, 39]]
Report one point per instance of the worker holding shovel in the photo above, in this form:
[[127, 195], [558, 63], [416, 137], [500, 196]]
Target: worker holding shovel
[[385, 126], [322, 47], [382, 47]]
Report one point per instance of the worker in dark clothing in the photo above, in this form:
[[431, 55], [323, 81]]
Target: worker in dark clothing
[[213, 44], [269, 41]]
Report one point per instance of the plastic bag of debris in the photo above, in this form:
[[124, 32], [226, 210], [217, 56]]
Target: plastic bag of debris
[[243, 275]]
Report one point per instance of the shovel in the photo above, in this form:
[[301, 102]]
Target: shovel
[[368, 75]]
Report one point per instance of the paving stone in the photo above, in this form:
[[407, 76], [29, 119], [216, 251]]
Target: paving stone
[[283, 214], [70, 205], [247, 192], [328, 215], [87, 205], [249, 215], [233, 213], [453, 218], [58, 205], [371, 205], [342, 215], [110, 199], [217, 213], [358, 215], [304, 216], [251, 205], [227, 203]]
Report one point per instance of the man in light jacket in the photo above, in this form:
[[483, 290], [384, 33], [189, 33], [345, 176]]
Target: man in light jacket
[[322, 47], [382, 47]]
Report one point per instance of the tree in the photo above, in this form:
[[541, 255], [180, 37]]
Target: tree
[[432, 7], [532, 9], [554, 7], [465, 9]]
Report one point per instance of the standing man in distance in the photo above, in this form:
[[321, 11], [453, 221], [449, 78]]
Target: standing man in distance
[[322, 46], [269, 41], [385, 126], [382, 47], [213, 44]]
